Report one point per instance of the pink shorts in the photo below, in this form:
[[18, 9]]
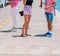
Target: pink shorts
[[27, 10]]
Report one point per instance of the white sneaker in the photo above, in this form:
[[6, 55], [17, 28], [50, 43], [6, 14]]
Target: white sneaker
[[13, 30]]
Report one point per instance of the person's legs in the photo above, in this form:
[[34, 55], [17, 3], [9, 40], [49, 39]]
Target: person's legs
[[27, 17], [14, 11], [24, 25], [49, 17], [28, 21], [15, 16], [49, 26], [50, 21]]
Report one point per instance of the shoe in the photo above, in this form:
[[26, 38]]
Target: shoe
[[12, 30], [48, 34]]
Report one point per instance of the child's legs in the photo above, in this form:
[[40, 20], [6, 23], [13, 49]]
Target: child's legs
[[15, 16]]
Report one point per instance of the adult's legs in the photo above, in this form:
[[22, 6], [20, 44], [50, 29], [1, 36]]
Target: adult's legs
[[24, 25], [15, 16], [49, 17], [28, 21], [27, 17], [50, 26]]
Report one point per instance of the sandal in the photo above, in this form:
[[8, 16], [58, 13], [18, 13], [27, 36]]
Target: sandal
[[23, 35]]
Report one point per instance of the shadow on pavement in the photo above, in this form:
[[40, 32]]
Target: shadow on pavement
[[19, 28], [40, 35], [6, 31], [15, 36]]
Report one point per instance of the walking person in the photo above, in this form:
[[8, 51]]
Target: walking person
[[27, 16], [49, 13], [14, 10]]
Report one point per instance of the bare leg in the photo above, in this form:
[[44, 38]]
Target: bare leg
[[49, 25], [28, 21], [24, 25]]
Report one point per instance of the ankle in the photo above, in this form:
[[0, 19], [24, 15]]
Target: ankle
[[50, 31]]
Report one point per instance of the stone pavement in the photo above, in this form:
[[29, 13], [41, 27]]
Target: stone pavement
[[13, 45]]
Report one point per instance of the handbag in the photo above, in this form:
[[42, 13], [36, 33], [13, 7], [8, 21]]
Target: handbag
[[21, 13]]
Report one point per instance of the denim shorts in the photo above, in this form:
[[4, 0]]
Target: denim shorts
[[49, 16], [27, 10]]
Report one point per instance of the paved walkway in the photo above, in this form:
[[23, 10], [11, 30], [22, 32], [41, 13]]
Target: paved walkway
[[13, 45]]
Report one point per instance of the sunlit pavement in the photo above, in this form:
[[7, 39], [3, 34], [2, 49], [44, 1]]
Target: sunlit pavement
[[11, 44]]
